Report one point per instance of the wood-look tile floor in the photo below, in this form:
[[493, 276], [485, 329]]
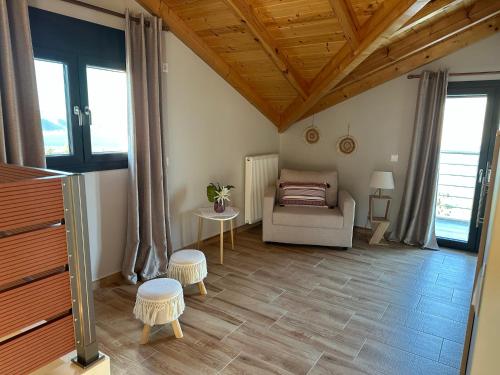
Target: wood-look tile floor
[[285, 309]]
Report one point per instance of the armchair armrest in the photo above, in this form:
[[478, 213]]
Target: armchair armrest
[[347, 206], [269, 201], [267, 213]]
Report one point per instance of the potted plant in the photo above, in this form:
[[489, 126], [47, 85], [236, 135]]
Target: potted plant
[[218, 195]]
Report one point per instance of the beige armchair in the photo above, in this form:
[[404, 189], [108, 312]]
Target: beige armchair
[[309, 225]]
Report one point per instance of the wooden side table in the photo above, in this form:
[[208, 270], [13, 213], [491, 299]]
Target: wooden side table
[[208, 213], [380, 224]]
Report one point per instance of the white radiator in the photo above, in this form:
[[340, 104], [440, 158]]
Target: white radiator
[[260, 172]]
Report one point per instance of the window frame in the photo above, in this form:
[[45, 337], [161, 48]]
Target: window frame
[[72, 98], [110, 160], [78, 44], [490, 88]]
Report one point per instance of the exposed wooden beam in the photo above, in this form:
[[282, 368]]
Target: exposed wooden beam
[[152, 6], [432, 9], [422, 38], [347, 22], [246, 14], [433, 52], [384, 22], [198, 46]]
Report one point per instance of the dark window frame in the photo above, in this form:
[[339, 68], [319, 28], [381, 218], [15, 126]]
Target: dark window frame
[[78, 44], [492, 118]]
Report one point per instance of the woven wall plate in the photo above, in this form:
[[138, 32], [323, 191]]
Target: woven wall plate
[[347, 145], [311, 135]]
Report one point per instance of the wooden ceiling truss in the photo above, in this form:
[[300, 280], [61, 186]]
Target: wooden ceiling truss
[[294, 58]]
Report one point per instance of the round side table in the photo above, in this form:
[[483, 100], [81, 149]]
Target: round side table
[[208, 213]]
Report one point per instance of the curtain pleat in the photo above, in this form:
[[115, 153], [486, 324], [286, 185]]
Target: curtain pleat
[[415, 225], [21, 138], [148, 229]]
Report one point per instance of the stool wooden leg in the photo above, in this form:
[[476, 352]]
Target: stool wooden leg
[[221, 242], [232, 234], [145, 334], [200, 231], [201, 286], [177, 329]]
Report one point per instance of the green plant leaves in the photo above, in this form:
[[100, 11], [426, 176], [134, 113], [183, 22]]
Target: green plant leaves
[[211, 192], [213, 189]]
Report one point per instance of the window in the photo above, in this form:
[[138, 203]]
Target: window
[[82, 90], [53, 97], [107, 92]]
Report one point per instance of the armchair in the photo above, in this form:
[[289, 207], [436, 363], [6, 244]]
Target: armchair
[[309, 225]]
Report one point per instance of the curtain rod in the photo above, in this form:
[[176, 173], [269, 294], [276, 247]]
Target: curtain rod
[[105, 11], [413, 76]]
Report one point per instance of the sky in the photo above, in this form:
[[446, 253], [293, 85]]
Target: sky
[[463, 123]]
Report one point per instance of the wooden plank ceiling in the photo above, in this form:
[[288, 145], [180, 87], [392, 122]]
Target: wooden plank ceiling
[[293, 58]]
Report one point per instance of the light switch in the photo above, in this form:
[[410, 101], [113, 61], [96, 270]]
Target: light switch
[[394, 158]]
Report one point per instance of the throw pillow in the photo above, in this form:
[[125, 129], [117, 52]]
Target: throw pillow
[[303, 194]]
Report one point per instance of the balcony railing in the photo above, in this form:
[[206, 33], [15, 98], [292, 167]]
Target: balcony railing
[[457, 183], [456, 187]]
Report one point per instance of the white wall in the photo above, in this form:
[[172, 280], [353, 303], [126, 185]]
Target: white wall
[[382, 122], [107, 216], [211, 128]]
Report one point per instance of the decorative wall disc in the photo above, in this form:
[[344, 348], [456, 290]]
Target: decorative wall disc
[[347, 145], [311, 135]]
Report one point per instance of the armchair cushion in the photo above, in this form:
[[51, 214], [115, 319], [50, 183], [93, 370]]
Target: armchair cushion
[[309, 217], [329, 177]]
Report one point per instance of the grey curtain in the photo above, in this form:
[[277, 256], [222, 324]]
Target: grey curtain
[[148, 229], [21, 138], [415, 224]]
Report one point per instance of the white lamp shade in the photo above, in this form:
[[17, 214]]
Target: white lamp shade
[[382, 180]]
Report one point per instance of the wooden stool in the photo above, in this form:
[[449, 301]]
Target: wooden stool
[[188, 267], [159, 301]]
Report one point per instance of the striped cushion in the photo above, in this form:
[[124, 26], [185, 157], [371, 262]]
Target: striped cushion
[[303, 194]]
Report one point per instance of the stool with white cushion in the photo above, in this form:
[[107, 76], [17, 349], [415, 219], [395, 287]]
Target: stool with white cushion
[[159, 301], [188, 267]]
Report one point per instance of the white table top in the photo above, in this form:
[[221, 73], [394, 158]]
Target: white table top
[[209, 213]]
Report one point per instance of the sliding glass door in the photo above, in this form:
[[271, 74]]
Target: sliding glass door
[[471, 120]]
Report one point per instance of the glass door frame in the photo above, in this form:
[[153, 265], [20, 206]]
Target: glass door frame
[[490, 127]]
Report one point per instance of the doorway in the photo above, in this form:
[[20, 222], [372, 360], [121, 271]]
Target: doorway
[[471, 119]]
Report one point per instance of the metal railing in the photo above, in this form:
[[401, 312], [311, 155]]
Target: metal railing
[[77, 237], [457, 184]]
